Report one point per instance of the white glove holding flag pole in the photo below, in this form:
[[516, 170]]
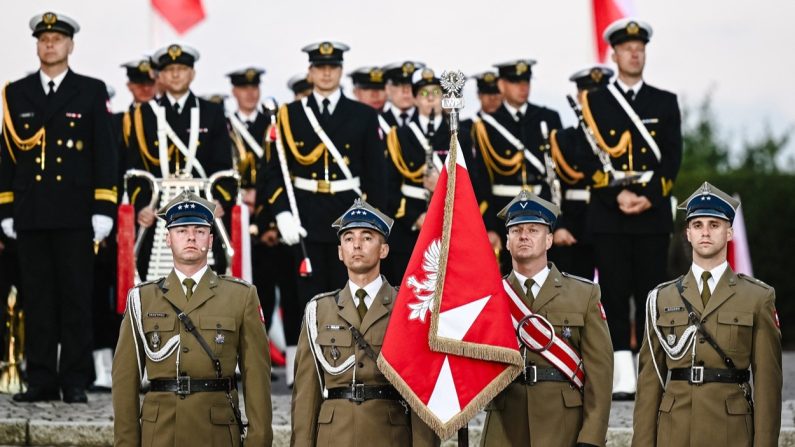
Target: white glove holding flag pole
[[289, 228], [8, 227], [102, 225]]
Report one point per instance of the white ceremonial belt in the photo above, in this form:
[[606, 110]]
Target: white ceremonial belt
[[327, 186], [514, 190], [415, 192], [582, 195], [636, 176]]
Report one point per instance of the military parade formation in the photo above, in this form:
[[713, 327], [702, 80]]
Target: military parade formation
[[337, 188]]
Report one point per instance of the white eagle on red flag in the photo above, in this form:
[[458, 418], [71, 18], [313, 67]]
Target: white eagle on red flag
[[451, 346]]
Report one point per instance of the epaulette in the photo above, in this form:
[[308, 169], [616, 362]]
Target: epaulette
[[753, 280], [325, 294], [668, 283], [578, 278], [153, 281], [234, 279]]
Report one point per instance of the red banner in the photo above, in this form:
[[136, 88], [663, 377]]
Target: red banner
[[450, 346], [181, 14]]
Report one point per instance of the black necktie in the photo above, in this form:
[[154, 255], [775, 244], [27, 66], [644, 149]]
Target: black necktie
[[630, 95], [518, 116], [51, 91], [326, 113], [176, 108], [430, 128], [404, 117]]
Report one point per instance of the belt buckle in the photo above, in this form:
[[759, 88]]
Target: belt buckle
[[183, 385], [324, 186], [534, 377], [697, 375], [357, 392]]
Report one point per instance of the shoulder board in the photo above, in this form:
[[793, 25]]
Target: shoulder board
[[668, 283], [325, 294], [235, 280], [753, 280], [578, 278], [154, 281]]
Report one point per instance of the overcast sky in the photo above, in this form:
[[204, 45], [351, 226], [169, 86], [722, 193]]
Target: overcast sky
[[739, 50]]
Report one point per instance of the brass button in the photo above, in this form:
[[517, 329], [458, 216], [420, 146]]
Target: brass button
[[58, 159], [643, 167], [157, 326], [736, 320], [347, 146], [624, 166], [612, 132], [507, 152], [653, 132], [157, 143], [26, 126], [333, 176], [565, 321], [673, 321], [314, 175], [333, 340], [71, 124], [38, 177], [38, 159], [185, 350], [346, 160], [643, 150], [58, 178], [59, 142], [411, 163]]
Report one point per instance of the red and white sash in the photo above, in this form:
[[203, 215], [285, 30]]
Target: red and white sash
[[537, 335]]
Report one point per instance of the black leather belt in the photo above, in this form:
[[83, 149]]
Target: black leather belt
[[534, 374], [699, 374], [187, 385], [361, 393]]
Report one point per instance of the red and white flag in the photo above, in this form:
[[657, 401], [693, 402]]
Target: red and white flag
[[606, 12], [181, 14], [739, 255], [450, 346]]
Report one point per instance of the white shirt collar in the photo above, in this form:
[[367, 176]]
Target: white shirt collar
[[333, 99], [45, 81], [716, 273], [181, 101], [437, 121], [251, 117], [371, 289], [397, 112], [196, 277], [539, 279], [512, 110], [625, 88]]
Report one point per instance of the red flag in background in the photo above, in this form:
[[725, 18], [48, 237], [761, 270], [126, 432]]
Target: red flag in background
[[450, 346], [181, 14], [739, 255], [606, 12]]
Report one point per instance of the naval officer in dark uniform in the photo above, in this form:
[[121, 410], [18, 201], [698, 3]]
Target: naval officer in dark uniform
[[334, 152], [57, 197], [509, 142], [629, 215]]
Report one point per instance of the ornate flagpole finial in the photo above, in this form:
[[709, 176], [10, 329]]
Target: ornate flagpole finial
[[453, 84]]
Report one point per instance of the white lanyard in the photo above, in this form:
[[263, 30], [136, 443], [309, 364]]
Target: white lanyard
[[165, 133]]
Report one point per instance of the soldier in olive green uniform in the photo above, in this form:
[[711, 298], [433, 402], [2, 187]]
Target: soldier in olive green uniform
[[193, 398], [707, 328], [546, 406], [340, 397]]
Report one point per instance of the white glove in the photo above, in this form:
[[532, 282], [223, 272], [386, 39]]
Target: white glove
[[8, 227], [102, 225], [289, 228]]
